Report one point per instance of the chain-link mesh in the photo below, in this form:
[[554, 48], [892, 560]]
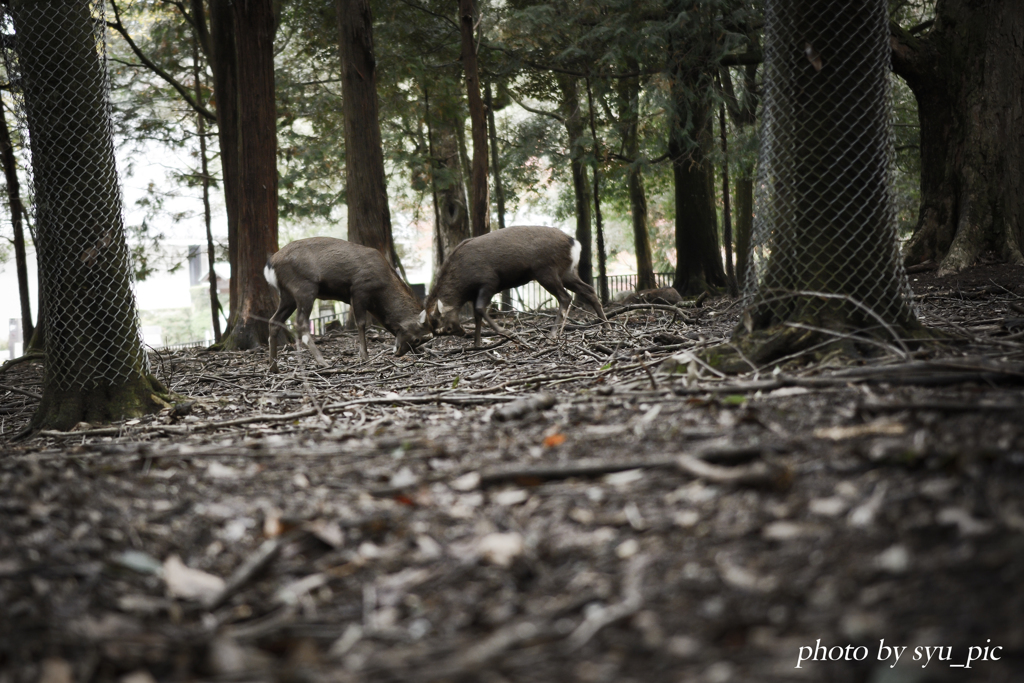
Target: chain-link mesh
[[59, 72], [824, 218]]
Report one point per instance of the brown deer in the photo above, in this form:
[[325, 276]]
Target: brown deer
[[662, 295], [482, 266], [329, 268]]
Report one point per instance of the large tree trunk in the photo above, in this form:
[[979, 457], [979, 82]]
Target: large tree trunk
[[698, 259], [574, 126], [967, 73], [224, 65], [257, 160], [480, 210], [827, 224], [14, 202], [629, 105], [369, 217], [96, 368]]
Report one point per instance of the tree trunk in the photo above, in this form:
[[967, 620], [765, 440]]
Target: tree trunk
[[698, 260], [451, 219], [480, 210], [499, 190], [369, 217], [205, 171], [726, 213], [14, 201], [224, 65], [602, 256], [967, 74], [744, 224], [257, 160], [829, 224], [96, 368], [629, 104], [581, 188], [743, 112]]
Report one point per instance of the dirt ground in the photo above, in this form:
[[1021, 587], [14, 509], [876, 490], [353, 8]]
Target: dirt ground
[[601, 507]]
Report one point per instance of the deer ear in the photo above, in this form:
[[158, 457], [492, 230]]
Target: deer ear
[[423, 317]]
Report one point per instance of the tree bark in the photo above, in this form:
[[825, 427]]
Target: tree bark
[[698, 260], [967, 74], [629, 104], [257, 160], [17, 210], [480, 210], [224, 65], [573, 118], [369, 217], [96, 368]]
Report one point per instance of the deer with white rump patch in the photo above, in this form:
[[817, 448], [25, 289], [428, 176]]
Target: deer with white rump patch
[[329, 268], [482, 266]]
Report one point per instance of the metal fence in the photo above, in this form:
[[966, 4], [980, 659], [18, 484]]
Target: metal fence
[[825, 220], [58, 73]]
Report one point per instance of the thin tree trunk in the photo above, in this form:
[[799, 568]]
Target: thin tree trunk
[[451, 217], [499, 190], [629, 104], [480, 211], [14, 201], [726, 213], [602, 266], [581, 188], [744, 113], [369, 217], [257, 159], [204, 169], [224, 65]]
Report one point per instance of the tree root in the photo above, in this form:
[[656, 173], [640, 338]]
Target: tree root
[[31, 355], [805, 342]]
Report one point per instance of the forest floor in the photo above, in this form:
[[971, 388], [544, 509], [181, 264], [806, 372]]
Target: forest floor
[[536, 510]]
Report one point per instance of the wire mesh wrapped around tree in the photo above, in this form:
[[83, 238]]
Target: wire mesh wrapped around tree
[[825, 218], [93, 345]]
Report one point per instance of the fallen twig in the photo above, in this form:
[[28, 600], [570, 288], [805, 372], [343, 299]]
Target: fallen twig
[[253, 564], [632, 601]]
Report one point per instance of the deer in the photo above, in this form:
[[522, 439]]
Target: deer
[[334, 269], [663, 295], [479, 267]]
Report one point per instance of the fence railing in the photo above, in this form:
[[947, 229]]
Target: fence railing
[[529, 297]]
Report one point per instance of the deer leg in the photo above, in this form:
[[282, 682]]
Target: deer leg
[[483, 301], [359, 316], [554, 285], [303, 336], [284, 309], [575, 284]]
